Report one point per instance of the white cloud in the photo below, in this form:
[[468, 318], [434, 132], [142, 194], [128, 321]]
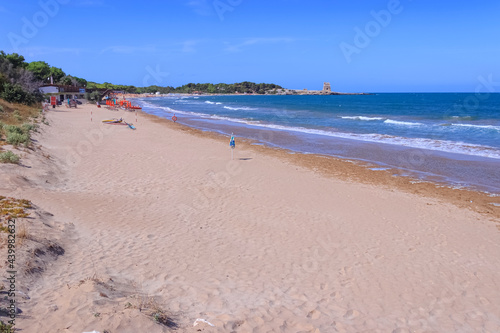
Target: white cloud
[[253, 41]]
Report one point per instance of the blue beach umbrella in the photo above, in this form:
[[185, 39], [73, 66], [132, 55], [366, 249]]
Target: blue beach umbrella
[[231, 142]]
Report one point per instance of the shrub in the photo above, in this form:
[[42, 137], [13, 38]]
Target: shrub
[[7, 328], [14, 93], [17, 115], [9, 157], [26, 127], [15, 138], [14, 129], [93, 97]]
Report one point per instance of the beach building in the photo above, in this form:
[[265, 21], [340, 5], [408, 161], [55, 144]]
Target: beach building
[[63, 92]]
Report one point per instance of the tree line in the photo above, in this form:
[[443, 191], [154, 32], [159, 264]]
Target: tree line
[[207, 88], [224, 88], [20, 82]]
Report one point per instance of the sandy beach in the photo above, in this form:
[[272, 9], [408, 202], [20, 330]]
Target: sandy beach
[[159, 221]]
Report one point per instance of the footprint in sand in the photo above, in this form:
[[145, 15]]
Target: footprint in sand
[[345, 270], [314, 314], [351, 314], [475, 314], [484, 301]]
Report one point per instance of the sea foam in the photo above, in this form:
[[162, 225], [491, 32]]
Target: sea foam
[[239, 108], [364, 118], [401, 123]]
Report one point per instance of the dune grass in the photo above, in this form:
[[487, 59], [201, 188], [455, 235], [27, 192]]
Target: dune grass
[[17, 114], [16, 124], [9, 157], [12, 208]]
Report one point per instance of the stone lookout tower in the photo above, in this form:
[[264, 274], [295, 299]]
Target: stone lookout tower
[[326, 87]]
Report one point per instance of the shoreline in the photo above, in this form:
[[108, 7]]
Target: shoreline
[[359, 171], [159, 221], [442, 159]]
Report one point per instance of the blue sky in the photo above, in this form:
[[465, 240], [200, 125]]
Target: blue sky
[[358, 46]]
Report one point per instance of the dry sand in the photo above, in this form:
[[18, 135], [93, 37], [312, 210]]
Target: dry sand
[[160, 218]]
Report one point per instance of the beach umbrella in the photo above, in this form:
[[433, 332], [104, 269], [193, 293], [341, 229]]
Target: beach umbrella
[[232, 144]]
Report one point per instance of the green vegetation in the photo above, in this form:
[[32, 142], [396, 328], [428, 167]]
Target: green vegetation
[[20, 82], [57, 74], [17, 135], [223, 88], [27, 127], [16, 139], [16, 123], [43, 72], [15, 59], [6, 328], [17, 115], [93, 97], [9, 157], [40, 69], [12, 208], [13, 129], [14, 93], [17, 83], [207, 88]]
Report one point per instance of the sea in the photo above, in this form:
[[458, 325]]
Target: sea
[[447, 138]]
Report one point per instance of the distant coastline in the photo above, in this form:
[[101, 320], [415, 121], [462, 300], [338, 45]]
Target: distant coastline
[[310, 93], [222, 90]]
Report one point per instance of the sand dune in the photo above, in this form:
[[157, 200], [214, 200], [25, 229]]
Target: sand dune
[[161, 219]]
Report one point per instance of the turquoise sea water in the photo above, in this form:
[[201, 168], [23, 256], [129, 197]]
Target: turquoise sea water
[[452, 138]]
